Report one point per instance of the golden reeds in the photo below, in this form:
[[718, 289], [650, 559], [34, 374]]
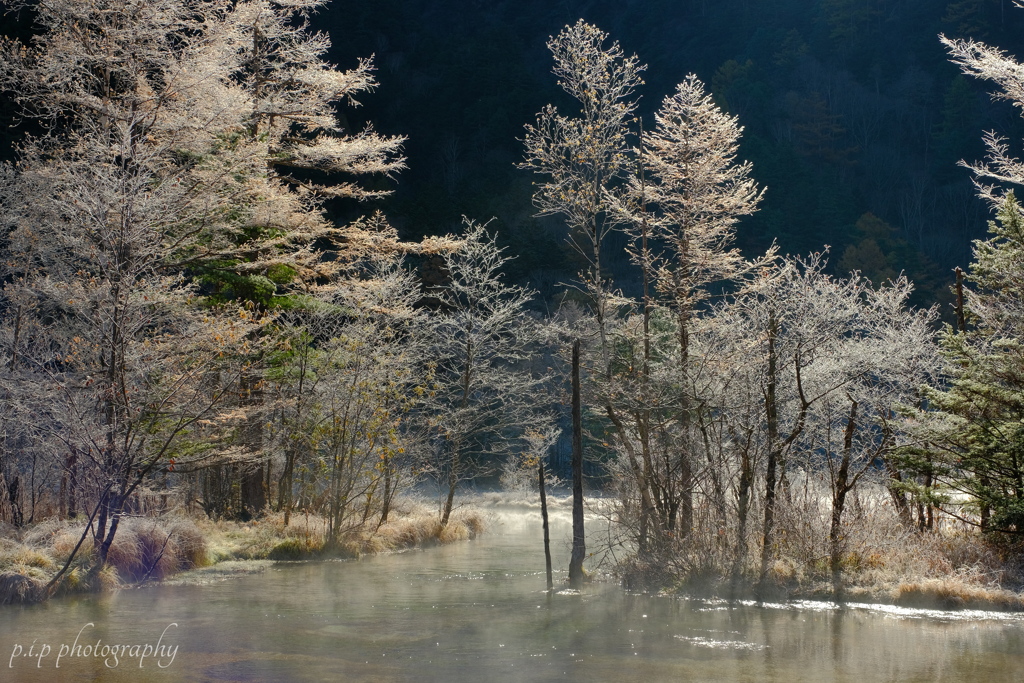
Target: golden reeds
[[156, 548]]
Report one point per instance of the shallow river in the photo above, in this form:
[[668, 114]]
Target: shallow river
[[477, 611]]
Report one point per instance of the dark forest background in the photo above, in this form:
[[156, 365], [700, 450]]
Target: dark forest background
[[854, 119]]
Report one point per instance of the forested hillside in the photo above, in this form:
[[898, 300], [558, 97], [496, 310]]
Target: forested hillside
[[854, 119]]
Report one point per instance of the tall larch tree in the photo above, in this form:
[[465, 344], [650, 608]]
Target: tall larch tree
[[682, 209]]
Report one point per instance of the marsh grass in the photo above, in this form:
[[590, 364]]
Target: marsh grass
[[19, 588], [413, 524], [144, 549], [882, 560], [155, 548]]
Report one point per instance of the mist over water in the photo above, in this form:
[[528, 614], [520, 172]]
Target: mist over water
[[477, 611]]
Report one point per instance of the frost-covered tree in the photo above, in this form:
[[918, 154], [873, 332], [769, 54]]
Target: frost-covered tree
[[681, 208], [695, 191], [992, 64], [225, 98], [680, 194], [841, 357], [289, 151], [802, 376], [484, 397], [166, 123], [92, 215], [585, 157]]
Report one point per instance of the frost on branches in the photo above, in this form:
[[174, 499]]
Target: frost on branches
[[172, 129]]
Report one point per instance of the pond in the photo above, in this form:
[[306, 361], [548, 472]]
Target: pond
[[477, 611]]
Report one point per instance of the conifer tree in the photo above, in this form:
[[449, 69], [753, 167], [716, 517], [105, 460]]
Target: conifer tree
[[974, 437], [682, 208], [973, 441]]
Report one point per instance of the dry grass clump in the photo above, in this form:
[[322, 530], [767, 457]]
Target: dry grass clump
[[26, 565], [945, 568], [957, 569], [84, 578], [784, 571], [409, 530], [190, 545], [305, 537], [142, 549], [151, 549], [127, 554], [954, 593], [42, 534], [265, 538], [413, 522], [297, 546], [13, 555], [19, 589], [453, 532]]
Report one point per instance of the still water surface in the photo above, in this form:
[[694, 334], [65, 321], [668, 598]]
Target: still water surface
[[477, 611]]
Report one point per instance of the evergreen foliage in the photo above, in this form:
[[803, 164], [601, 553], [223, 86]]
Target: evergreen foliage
[[974, 426]]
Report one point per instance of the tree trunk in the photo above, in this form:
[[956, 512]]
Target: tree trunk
[[286, 485], [547, 537], [840, 488], [961, 320], [111, 507], [743, 508], [579, 545], [643, 476], [681, 505], [252, 495], [772, 416], [385, 509], [899, 499], [453, 481], [72, 467]]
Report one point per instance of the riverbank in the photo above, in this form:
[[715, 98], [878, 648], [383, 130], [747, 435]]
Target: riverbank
[[158, 548], [475, 611], [952, 569]]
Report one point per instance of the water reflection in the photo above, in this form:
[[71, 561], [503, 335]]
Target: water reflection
[[477, 611]]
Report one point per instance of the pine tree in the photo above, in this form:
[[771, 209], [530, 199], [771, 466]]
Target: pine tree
[[975, 433], [974, 440]]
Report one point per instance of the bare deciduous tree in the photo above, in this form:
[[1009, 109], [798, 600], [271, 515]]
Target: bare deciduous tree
[[686, 200], [481, 337]]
